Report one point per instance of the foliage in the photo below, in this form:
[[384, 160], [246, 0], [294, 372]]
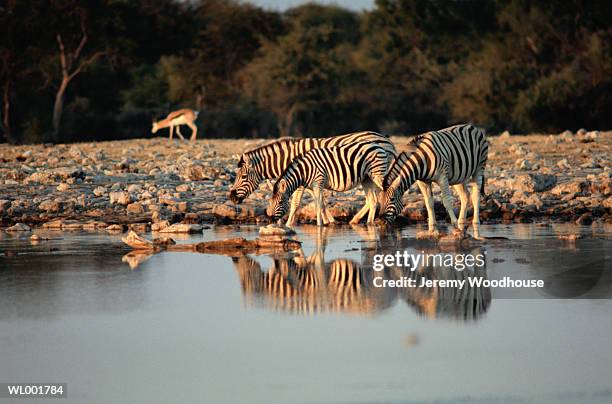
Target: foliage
[[313, 70]]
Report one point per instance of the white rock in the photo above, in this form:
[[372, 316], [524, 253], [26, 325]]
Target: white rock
[[99, 191], [63, 187], [19, 227], [182, 228], [120, 197]]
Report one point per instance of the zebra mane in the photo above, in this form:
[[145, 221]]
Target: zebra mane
[[268, 143], [416, 140], [247, 154], [396, 168], [400, 160]]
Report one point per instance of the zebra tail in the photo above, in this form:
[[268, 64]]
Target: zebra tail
[[482, 186]]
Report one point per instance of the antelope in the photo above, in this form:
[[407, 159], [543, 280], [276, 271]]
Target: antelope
[[177, 118]]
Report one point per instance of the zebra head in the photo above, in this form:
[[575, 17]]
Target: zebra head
[[279, 204], [247, 180], [391, 204]]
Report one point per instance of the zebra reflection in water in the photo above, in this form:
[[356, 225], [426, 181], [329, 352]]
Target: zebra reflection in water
[[302, 285], [309, 285], [463, 304]]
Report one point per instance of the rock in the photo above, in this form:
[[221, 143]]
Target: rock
[[183, 188], [276, 230], [518, 149], [54, 225], [570, 237], [585, 219], [168, 200], [54, 175], [120, 197], [50, 206], [581, 132], [139, 227], [63, 187], [505, 135], [76, 153], [19, 227], [94, 224], [225, 210], [197, 172], [527, 199], [533, 182], [134, 188], [72, 225], [4, 205], [563, 164], [160, 225], [135, 208], [523, 164], [115, 228], [182, 228], [574, 187], [99, 191]]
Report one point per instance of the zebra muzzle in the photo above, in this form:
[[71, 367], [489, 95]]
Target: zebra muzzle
[[233, 196]]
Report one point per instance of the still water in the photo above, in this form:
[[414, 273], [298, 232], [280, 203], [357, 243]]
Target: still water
[[188, 327]]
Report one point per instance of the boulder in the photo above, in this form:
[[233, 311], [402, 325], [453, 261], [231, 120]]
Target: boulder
[[19, 227], [120, 197], [574, 187], [533, 182], [225, 210], [99, 191], [182, 228], [135, 208]]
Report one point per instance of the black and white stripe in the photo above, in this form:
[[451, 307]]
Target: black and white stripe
[[269, 161], [338, 168], [452, 156]]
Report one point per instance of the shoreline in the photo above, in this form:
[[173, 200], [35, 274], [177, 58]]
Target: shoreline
[[151, 184]]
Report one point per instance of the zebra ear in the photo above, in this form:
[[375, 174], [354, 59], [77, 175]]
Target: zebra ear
[[387, 180]]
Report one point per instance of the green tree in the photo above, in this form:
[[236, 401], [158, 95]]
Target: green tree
[[306, 70]]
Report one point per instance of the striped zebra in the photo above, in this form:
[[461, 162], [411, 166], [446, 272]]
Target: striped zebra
[[270, 160], [338, 168], [452, 156]]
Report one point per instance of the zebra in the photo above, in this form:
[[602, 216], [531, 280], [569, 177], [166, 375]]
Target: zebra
[[338, 168], [452, 156], [268, 161]]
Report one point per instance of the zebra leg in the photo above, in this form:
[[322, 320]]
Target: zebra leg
[[327, 216], [429, 205], [367, 186], [361, 213], [463, 197], [318, 197], [447, 198], [373, 202], [475, 194], [295, 203]]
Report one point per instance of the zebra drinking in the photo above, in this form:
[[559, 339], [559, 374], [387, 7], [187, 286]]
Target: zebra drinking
[[337, 168], [452, 156], [270, 160]]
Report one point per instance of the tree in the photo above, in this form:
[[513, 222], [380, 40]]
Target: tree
[[306, 69], [72, 64]]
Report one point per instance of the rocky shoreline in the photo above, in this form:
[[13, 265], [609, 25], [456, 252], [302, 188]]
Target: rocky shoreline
[[152, 184]]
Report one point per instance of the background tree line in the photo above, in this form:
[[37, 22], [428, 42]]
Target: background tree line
[[102, 69]]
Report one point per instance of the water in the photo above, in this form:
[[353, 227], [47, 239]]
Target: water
[[188, 327]]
